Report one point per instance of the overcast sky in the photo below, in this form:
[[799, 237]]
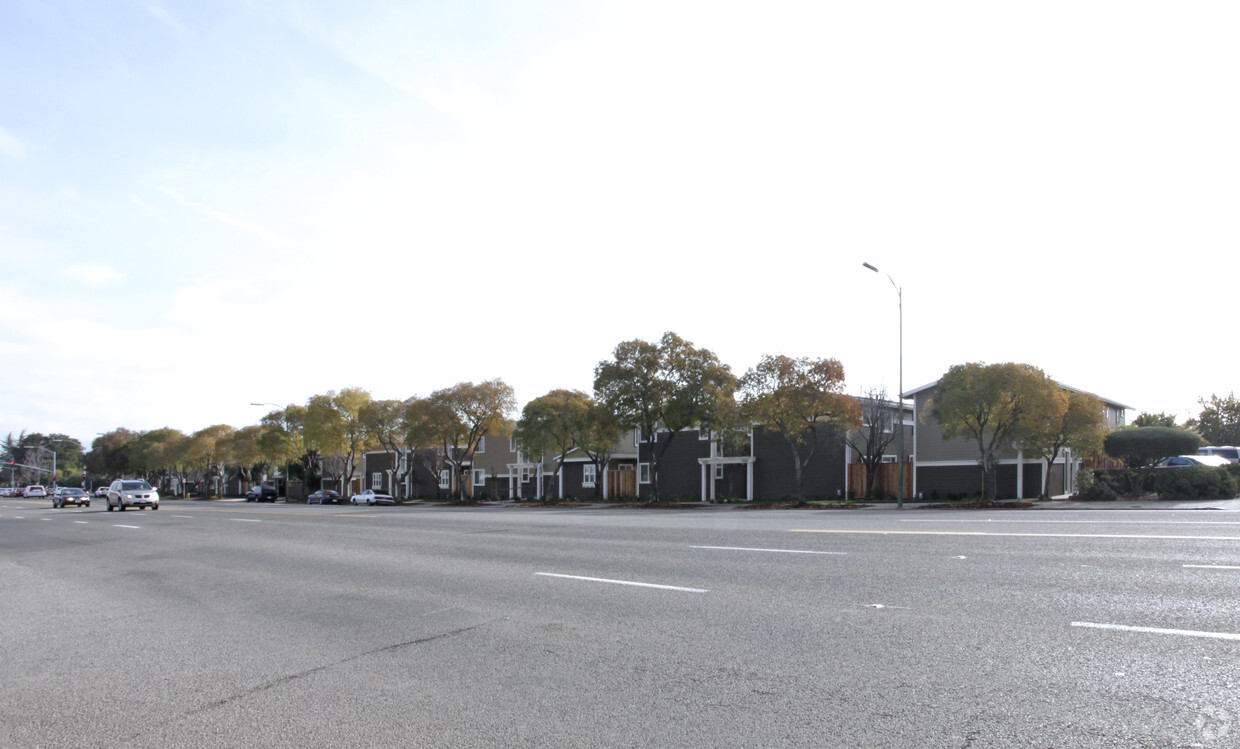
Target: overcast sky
[[204, 205]]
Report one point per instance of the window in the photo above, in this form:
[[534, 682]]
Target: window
[[482, 444], [480, 477], [703, 433], [643, 473], [512, 444], [719, 470], [525, 475], [376, 480], [589, 474], [444, 479]]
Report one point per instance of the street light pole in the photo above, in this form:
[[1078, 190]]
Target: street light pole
[[900, 419]]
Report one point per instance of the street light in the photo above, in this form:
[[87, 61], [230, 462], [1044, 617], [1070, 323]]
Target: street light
[[900, 447]]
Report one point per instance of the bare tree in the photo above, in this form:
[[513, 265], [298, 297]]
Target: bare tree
[[877, 432]]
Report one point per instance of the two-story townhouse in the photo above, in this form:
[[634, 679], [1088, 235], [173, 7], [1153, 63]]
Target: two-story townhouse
[[944, 467], [699, 464], [580, 477]]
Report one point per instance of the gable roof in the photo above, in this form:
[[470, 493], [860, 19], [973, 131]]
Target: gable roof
[[1107, 401]]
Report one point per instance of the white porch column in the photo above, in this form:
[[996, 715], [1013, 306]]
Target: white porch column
[[704, 469], [749, 481], [605, 495], [1020, 474], [561, 477]]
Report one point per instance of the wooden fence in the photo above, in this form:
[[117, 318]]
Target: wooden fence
[[885, 480], [621, 484]]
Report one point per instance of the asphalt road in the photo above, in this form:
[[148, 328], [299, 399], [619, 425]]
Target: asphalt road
[[235, 625]]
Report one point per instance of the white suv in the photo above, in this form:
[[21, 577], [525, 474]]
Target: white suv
[[132, 493]]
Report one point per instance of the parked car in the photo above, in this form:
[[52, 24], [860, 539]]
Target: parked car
[[34, 491], [67, 496], [1184, 461], [1232, 454], [261, 494], [371, 497], [132, 493], [324, 497]]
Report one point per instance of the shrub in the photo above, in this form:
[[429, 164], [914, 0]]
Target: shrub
[[1141, 446], [1093, 488], [1196, 482]]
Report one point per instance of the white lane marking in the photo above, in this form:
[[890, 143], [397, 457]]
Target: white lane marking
[[777, 551], [187, 517], [126, 526], [245, 520], [1214, 566], [1070, 522], [1160, 630], [1020, 535], [622, 582], [81, 522]]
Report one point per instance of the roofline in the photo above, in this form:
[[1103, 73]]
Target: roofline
[[1107, 401]]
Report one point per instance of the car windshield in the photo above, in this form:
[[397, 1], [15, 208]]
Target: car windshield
[[135, 486]]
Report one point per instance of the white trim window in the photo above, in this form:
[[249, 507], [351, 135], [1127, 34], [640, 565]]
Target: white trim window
[[643, 473], [512, 444], [445, 479], [480, 477], [525, 475], [719, 470], [589, 475], [703, 433], [376, 480], [482, 445]]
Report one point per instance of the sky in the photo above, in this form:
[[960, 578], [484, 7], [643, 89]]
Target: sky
[[209, 205]]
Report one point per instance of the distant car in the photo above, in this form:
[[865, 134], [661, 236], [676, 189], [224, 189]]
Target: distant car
[[261, 494], [132, 493], [101, 492], [1185, 461], [1232, 454], [324, 497], [34, 491], [6, 492], [66, 496], [371, 497]]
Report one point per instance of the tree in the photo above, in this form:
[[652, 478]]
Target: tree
[[205, 449], [1079, 424], [1154, 420], [1219, 422], [995, 405], [877, 432], [465, 414], [553, 423], [600, 433], [333, 426], [384, 422], [430, 427], [799, 399], [283, 442], [244, 452], [1141, 446], [160, 452], [109, 454], [669, 385]]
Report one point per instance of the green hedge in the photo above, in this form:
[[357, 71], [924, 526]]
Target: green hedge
[[1193, 482]]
